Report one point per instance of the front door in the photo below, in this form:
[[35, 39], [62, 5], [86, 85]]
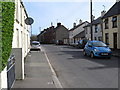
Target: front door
[[115, 40]]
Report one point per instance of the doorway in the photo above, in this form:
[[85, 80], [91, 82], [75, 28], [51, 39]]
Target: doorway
[[115, 40]]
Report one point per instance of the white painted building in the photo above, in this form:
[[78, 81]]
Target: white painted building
[[20, 43], [21, 38], [96, 29], [75, 31]]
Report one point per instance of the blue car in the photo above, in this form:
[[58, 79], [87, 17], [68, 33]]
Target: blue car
[[97, 49]]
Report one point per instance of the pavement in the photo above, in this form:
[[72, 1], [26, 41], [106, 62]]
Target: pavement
[[116, 53], [37, 72]]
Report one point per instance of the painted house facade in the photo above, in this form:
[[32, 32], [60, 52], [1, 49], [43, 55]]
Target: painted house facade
[[21, 38], [111, 26], [75, 31], [97, 29], [20, 44]]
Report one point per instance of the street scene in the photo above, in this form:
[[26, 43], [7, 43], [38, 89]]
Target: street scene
[[72, 69], [60, 45]]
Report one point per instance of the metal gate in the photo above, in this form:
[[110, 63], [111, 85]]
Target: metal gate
[[11, 71]]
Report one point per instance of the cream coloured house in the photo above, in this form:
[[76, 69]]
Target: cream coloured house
[[111, 26]]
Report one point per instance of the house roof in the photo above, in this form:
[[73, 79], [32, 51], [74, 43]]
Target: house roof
[[78, 26], [97, 21], [80, 35], [114, 10], [60, 27]]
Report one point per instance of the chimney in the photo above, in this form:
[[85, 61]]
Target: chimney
[[117, 0], [93, 17], [80, 21], [103, 13], [52, 27], [74, 25], [58, 24]]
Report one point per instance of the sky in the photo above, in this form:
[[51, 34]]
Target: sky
[[45, 12]]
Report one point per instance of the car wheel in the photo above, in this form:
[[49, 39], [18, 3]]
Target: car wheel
[[109, 57], [84, 53], [92, 55]]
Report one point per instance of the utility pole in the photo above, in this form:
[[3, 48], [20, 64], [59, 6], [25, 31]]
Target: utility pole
[[91, 17]]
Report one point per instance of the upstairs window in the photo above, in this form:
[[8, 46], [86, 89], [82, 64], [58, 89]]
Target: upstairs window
[[114, 22], [96, 28], [106, 23], [86, 31]]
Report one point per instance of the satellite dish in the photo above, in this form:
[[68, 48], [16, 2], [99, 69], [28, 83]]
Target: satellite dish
[[29, 21]]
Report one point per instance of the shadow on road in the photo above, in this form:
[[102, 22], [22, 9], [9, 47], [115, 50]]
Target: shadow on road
[[106, 63]]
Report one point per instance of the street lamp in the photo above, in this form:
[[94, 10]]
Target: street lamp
[[91, 17]]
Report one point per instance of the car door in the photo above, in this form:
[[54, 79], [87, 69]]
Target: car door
[[89, 48]]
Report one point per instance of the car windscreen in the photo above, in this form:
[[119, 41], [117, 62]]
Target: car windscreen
[[99, 44], [35, 43]]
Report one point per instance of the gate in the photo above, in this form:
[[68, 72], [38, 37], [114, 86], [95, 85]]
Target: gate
[[11, 71]]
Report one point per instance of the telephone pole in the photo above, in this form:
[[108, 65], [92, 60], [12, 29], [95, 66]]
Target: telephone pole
[[91, 18]]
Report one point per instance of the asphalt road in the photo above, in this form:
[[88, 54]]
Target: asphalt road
[[77, 71]]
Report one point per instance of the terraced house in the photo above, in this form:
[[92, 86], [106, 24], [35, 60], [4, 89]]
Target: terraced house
[[77, 32], [20, 46], [111, 26], [21, 38]]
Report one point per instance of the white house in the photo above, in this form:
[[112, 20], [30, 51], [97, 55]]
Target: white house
[[20, 43], [75, 31], [96, 29], [21, 38]]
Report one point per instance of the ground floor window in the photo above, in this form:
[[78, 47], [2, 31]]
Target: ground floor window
[[107, 38]]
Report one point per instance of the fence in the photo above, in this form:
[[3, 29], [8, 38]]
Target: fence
[[11, 71]]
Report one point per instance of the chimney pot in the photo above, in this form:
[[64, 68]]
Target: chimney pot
[[58, 24], [103, 13], [74, 25], [80, 21]]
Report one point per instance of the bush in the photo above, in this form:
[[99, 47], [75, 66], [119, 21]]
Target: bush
[[8, 9]]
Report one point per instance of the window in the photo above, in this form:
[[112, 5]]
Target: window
[[107, 38], [21, 14], [17, 14], [106, 23], [95, 38], [96, 28], [114, 22], [17, 37], [100, 38], [86, 30]]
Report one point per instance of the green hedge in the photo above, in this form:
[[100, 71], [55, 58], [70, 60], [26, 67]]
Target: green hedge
[[8, 9]]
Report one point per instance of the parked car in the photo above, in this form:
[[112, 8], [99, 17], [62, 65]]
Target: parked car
[[35, 45], [59, 42], [82, 43], [97, 49]]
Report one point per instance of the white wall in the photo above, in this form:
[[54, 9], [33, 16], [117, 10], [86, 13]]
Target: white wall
[[21, 35], [4, 78], [76, 31], [99, 33]]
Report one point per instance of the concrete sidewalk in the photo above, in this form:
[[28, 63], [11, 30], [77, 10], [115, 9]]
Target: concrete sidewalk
[[37, 72], [116, 53]]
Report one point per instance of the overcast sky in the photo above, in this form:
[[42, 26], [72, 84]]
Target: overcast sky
[[67, 12]]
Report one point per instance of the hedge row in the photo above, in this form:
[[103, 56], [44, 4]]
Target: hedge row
[[8, 9]]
